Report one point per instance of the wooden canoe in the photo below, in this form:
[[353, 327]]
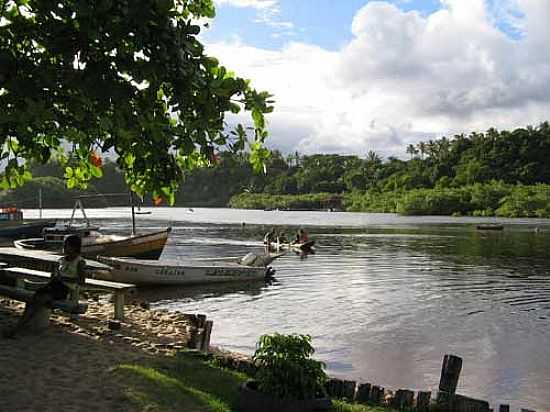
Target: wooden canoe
[[145, 246], [170, 272], [490, 227]]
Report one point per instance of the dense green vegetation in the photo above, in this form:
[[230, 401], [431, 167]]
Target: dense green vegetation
[[494, 173], [187, 383], [489, 199], [485, 174]]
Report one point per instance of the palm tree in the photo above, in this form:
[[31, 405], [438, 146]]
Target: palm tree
[[411, 149], [422, 149], [372, 157]]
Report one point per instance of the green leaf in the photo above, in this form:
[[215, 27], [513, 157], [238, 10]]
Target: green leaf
[[258, 118], [96, 171], [129, 159], [234, 108]]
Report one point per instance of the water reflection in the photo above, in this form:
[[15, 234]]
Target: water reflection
[[387, 304], [386, 297], [169, 295]]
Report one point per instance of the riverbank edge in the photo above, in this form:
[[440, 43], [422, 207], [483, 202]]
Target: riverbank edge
[[145, 335]]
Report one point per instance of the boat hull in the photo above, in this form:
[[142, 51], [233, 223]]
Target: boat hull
[[149, 273], [490, 227], [15, 230], [146, 246]]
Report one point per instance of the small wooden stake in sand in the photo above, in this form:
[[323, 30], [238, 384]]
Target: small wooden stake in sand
[[40, 320]]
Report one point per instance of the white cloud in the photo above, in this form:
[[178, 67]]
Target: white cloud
[[268, 14], [405, 77]]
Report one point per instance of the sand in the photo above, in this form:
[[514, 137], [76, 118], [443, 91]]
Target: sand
[[69, 367]]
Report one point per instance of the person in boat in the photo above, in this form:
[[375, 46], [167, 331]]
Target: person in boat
[[282, 238], [64, 283], [301, 237], [270, 236]]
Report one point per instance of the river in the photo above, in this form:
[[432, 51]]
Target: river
[[384, 296]]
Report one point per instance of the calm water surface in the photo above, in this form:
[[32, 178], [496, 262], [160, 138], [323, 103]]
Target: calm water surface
[[384, 297]]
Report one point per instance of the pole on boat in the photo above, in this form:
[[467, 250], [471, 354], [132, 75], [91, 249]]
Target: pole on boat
[[40, 203], [133, 213]]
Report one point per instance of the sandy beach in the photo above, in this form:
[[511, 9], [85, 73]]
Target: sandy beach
[[69, 366]]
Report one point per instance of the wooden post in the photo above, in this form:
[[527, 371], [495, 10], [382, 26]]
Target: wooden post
[[206, 336], [403, 399], [461, 403], [119, 306], [348, 390], [336, 388], [423, 401], [504, 408], [450, 372], [363, 393], [377, 394], [201, 320]]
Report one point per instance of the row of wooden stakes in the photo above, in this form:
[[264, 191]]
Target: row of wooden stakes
[[447, 400]]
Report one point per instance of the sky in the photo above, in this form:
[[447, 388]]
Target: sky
[[349, 76]]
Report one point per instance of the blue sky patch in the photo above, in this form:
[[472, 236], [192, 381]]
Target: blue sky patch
[[325, 23]]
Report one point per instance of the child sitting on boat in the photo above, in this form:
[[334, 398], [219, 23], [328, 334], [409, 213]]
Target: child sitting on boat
[[63, 284]]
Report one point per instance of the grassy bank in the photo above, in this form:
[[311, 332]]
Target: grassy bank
[[490, 199], [192, 384]]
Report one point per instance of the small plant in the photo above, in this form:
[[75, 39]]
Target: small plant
[[285, 367]]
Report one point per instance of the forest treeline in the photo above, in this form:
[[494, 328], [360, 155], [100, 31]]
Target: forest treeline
[[493, 173]]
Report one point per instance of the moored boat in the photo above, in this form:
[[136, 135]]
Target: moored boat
[[13, 226], [94, 243], [167, 272]]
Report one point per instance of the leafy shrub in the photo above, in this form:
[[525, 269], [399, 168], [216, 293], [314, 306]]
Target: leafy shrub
[[285, 367]]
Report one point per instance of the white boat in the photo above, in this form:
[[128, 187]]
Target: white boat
[[165, 272]]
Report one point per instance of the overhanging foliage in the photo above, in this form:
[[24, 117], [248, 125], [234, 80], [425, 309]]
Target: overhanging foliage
[[122, 76]]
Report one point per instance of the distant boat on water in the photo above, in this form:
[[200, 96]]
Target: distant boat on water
[[490, 226]]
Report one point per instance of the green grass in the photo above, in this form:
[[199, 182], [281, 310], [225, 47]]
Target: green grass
[[190, 384], [341, 406]]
